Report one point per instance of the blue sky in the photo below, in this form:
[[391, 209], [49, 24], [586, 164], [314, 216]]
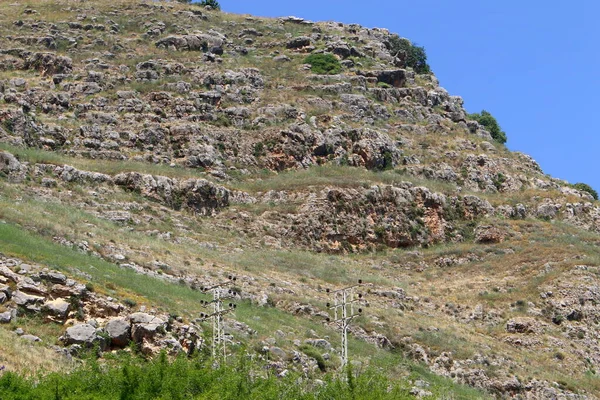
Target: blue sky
[[535, 65]]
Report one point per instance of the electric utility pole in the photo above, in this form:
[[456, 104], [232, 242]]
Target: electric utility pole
[[218, 311], [343, 309]]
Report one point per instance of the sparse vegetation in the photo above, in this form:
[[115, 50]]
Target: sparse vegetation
[[301, 155]]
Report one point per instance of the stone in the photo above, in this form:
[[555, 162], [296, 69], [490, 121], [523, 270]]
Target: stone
[[58, 307], [8, 163], [5, 317], [320, 343], [298, 42], [23, 299], [27, 285], [80, 334], [282, 58], [489, 234], [54, 277], [119, 332], [146, 326], [9, 274], [277, 353], [31, 338], [522, 325]]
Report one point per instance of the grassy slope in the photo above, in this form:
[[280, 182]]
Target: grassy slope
[[16, 242], [515, 275]]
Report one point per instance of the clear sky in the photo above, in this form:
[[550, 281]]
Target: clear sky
[[535, 65]]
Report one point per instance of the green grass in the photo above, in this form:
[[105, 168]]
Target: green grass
[[16, 242], [34, 155], [334, 175], [180, 299]]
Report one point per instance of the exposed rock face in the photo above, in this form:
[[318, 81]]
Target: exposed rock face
[[199, 196], [195, 132]]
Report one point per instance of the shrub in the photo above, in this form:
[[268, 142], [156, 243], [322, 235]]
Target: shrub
[[413, 56], [323, 64], [214, 4], [489, 122], [584, 187]]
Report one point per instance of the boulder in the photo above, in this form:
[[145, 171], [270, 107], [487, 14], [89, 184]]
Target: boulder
[[23, 299], [522, 325], [54, 277], [119, 332], [320, 343], [31, 338], [9, 274], [5, 317], [81, 334], [298, 42], [27, 285], [58, 307], [489, 234], [146, 326], [49, 63], [277, 353], [8, 163]]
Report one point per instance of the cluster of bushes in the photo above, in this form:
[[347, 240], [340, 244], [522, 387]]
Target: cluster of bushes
[[584, 187], [414, 56], [214, 4], [183, 378], [324, 64], [491, 125]]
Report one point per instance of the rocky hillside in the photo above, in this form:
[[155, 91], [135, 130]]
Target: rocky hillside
[[150, 148]]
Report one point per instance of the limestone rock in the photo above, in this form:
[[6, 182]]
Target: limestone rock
[[489, 234], [54, 277], [146, 327], [5, 317], [80, 334], [31, 338], [298, 42], [119, 332], [8, 163], [58, 307], [23, 299], [522, 325]]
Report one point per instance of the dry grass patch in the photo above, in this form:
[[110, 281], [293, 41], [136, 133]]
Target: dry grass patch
[[27, 358]]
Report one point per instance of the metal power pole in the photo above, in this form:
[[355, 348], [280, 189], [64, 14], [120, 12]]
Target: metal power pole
[[343, 311], [219, 350]]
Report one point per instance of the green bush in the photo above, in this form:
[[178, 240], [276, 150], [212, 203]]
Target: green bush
[[489, 122], [586, 188], [324, 64], [414, 56], [133, 379], [214, 4]]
